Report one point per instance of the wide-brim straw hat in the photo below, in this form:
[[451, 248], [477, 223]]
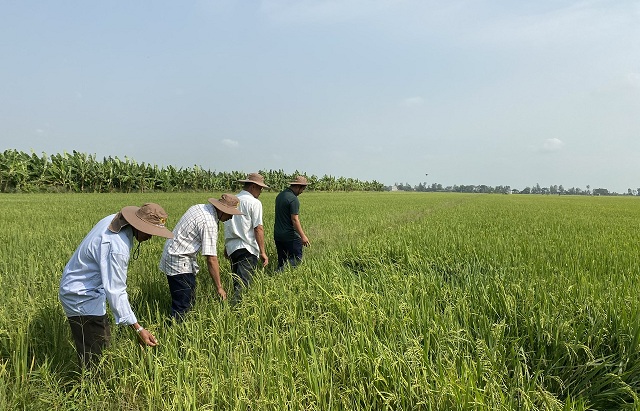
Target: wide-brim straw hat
[[228, 203], [150, 219], [300, 180], [255, 178]]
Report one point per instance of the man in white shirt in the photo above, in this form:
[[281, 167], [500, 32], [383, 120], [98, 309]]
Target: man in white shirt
[[244, 236], [197, 231], [97, 273]]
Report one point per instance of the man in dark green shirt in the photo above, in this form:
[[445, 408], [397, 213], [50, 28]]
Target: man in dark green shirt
[[287, 231]]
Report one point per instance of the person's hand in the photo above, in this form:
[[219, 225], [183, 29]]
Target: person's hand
[[305, 241], [265, 259], [146, 338], [222, 293]]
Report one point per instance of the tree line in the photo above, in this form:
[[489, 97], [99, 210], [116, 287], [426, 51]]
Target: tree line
[[83, 173], [536, 189]]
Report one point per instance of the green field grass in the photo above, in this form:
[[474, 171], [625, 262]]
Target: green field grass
[[405, 301]]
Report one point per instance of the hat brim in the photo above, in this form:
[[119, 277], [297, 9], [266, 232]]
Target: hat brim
[[224, 208], [254, 182], [129, 214], [297, 183]]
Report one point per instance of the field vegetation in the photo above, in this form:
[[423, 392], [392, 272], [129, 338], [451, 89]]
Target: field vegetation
[[405, 301], [77, 172]]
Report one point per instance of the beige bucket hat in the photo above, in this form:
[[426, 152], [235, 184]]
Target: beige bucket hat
[[255, 178], [300, 180], [228, 203], [150, 219]]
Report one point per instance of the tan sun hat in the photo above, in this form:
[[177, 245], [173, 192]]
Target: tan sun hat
[[300, 180], [255, 178], [228, 203], [150, 219]]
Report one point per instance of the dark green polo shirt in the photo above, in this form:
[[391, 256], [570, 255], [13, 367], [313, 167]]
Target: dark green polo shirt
[[287, 204]]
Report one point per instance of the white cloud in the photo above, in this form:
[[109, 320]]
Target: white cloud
[[544, 24], [413, 101], [633, 80], [621, 82], [214, 7], [230, 143], [325, 11], [579, 22], [43, 130], [552, 144], [374, 149]]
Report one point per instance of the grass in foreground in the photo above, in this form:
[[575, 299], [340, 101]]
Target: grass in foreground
[[405, 301]]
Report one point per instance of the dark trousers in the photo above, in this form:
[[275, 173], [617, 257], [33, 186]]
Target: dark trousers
[[91, 334], [243, 265], [183, 293], [289, 252]]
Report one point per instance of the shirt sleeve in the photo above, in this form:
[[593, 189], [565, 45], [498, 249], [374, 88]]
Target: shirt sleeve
[[209, 236], [256, 215], [294, 206], [113, 269]]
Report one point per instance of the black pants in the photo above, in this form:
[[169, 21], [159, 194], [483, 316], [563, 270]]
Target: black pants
[[289, 252], [91, 334], [243, 265], [183, 293]]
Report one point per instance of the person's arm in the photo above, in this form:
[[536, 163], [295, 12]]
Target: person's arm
[[214, 272], [259, 233], [295, 220], [209, 238], [113, 267]]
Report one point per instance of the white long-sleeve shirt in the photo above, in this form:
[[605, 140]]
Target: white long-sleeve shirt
[[97, 273]]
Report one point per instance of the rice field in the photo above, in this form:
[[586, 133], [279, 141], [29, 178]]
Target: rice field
[[405, 301]]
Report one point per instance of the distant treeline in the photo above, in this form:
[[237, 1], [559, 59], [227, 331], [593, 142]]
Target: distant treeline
[[83, 173], [537, 189]]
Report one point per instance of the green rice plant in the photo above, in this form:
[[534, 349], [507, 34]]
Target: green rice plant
[[404, 301]]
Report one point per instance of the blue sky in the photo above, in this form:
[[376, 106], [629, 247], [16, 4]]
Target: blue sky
[[470, 92]]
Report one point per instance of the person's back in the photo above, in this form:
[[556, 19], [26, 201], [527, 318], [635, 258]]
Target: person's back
[[81, 286], [287, 204], [195, 232], [239, 232]]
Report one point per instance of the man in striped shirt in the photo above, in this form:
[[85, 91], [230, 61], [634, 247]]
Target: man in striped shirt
[[196, 232]]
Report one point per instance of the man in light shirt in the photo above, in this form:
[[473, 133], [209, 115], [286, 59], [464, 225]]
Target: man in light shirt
[[97, 273], [244, 236], [196, 232]]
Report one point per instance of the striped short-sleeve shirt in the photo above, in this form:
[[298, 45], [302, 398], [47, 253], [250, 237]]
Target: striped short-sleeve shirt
[[197, 231]]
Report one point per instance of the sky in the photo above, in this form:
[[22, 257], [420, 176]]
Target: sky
[[467, 92]]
